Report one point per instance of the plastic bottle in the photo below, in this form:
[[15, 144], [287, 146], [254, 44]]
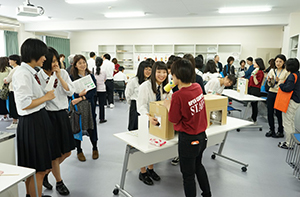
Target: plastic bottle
[[169, 86]]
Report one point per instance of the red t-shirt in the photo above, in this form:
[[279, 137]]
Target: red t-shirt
[[259, 77], [187, 110]]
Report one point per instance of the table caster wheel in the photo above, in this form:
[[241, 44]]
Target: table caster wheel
[[238, 130], [213, 156], [244, 169], [260, 129], [116, 191]]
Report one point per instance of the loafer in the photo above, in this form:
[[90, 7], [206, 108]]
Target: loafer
[[46, 182], [145, 178], [153, 175], [270, 134], [278, 135], [102, 121], [95, 154], [81, 157], [62, 189]]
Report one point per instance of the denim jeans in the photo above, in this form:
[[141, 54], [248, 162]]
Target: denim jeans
[[190, 148]]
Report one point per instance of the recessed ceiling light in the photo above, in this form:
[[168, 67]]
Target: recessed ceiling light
[[124, 14], [230, 10], [86, 1]]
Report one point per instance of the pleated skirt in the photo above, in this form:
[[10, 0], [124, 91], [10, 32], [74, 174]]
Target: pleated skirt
[[33, 141], [62, 139]]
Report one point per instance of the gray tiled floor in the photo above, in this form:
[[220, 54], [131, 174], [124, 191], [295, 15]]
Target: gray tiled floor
[[268, 175]]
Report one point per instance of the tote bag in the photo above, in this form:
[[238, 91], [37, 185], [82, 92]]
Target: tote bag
[[75, 119], [283, 99], [4, 92]]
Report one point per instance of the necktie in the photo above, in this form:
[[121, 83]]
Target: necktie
[[37, 79], [158, 98], [55, 82]]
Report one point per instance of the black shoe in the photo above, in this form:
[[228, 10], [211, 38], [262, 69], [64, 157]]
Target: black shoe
[[102, 121], [46, 182], [278, 135], [62, 189], [46, 196], [145, 178], [270, 134], [153, 175]]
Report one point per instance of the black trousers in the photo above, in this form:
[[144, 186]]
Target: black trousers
[[255, 92], [133, 116], [121, 94], [101, 97], [190, 158], [270, 105], [109, 83]]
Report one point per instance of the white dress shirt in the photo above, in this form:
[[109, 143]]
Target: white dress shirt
[[132, 89], [26, 88], [208, 76], [198, 72], [9, 78], [146, 95], [120, 77], [91, 64], [61, 95], [109, 68], [213, 86]]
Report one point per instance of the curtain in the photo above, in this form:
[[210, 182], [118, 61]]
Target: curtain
[[11, 42], [61, 45]]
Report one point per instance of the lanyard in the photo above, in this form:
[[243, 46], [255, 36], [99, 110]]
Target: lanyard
[[279, 73]]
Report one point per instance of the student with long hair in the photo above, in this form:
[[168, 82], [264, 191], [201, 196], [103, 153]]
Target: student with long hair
[[149, 91], [275, 76], [4, 72], [78, 70], [132, 91], [100, 76], [210, 71], [254, 85], [14, 61], [62, 136], [34, 122]]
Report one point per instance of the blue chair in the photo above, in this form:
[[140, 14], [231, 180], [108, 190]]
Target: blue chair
[[293, 154], [230, 109]]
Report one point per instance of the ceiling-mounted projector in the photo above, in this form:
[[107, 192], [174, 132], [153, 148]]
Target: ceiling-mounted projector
[[29, 10]]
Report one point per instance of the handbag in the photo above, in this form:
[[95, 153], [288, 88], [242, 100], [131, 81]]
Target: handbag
[[283, 98], [4, 92], [75, 118]]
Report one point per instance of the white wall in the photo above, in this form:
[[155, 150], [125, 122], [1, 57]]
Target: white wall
[[250, 38]]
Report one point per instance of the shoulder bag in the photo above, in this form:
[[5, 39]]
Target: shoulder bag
[[283, 98]]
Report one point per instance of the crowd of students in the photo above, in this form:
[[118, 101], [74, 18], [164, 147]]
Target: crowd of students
[[44, 134]]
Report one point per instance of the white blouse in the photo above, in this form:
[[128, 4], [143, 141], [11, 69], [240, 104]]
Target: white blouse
[[60, 101], [146, 95], [132, 89], [208, 76], [9, 78], [26, 88]]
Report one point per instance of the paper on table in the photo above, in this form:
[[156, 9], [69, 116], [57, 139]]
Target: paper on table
[[50, 84], [86, 83]]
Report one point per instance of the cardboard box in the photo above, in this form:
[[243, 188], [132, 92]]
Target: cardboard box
[[216, 103], [165, 130], [242, 82]]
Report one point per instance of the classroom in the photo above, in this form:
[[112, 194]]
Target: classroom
[[136, 97]]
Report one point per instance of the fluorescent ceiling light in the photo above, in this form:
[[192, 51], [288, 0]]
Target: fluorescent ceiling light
[[124, 14], [230, 10], [86, 1]]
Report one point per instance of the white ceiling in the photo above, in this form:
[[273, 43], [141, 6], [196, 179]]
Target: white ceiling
[[188, 13]]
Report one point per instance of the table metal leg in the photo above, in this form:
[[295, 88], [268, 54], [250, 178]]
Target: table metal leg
[[244, 117], [35, 185], [219, 153], [128, 151]]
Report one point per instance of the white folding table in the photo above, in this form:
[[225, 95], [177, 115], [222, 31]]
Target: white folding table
[[235, 95], [138, 155], [15, 174]]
